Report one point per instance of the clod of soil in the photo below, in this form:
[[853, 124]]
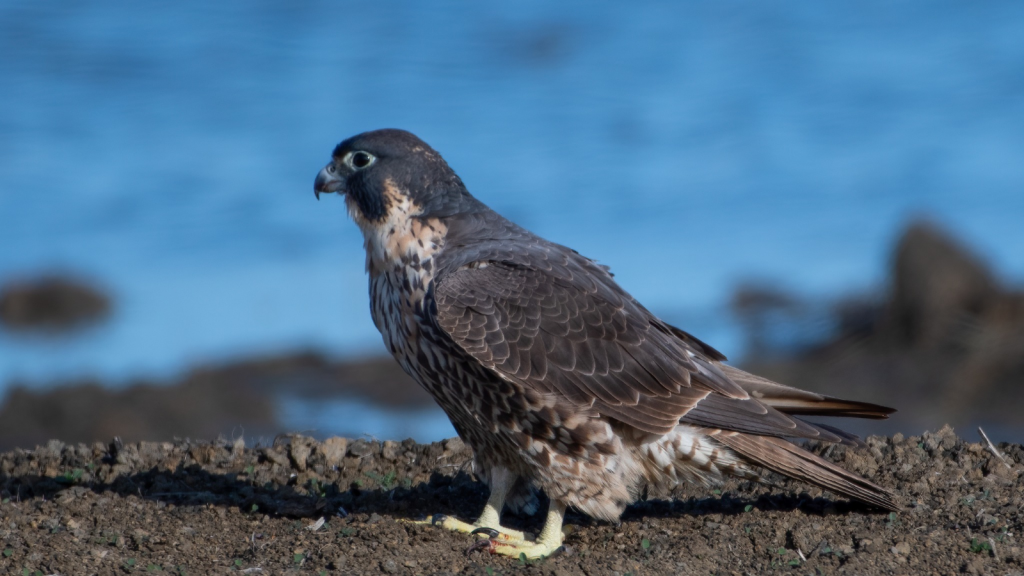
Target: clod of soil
[[207, 508]]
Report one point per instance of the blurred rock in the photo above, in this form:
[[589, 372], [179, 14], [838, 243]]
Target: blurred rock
[[89, 412], [754, 298], [51, 303], [936, 285], [378, 379], [776, 322], [943, 343], [227, 400]]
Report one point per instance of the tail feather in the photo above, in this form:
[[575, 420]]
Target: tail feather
[[787, 459], [797, 402]]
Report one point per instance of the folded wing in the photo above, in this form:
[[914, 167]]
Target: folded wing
[[556, 322]]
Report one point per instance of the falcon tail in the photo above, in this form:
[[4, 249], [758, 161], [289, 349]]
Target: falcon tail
[[785, 458], [794, 401]]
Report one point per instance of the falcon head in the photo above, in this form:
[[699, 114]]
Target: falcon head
[[384, 171]]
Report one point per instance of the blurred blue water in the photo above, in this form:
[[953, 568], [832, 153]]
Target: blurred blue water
[[168, 152]]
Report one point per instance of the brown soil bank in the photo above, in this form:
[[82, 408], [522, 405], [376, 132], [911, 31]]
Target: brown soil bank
[[214, 508], [204, 403]]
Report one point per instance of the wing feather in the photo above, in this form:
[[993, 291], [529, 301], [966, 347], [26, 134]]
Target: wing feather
[[791, 400], [542, 315]]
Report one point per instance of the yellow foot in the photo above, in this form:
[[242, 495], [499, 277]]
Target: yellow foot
[[494, 533], [527, 550], [549, 542]]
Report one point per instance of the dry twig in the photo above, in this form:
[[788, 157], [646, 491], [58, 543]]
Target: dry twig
[[992, 448], [316, 525]]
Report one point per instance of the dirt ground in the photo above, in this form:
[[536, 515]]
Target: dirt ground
[[211, 508]]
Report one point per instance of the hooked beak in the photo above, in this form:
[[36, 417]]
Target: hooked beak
[[327, 181]]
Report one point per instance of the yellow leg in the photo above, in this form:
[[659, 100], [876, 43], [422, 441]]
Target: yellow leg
[[488, 525], [548, 542]]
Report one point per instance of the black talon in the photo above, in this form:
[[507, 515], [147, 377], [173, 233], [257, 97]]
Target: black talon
[[491, 532], [478, 545], [558, 552], [437, 519]]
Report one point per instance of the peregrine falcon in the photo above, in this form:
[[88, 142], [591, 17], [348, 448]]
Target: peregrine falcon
[[551, 372]]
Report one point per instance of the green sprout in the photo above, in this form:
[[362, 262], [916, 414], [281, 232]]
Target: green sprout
[[979, 546]]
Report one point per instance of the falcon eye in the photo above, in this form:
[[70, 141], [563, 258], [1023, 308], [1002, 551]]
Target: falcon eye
[[361, 160]]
